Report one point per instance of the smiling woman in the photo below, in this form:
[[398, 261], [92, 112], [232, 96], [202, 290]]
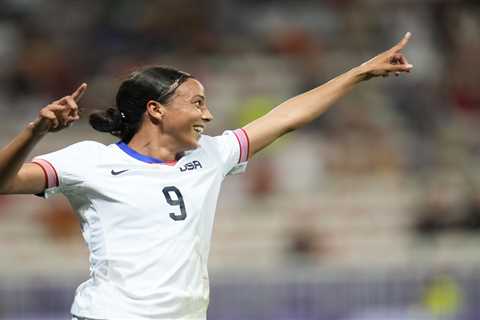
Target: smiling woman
[[153, 83], [160, 111], [147, 203]]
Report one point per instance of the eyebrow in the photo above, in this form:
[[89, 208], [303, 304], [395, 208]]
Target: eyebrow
[[198, 96]]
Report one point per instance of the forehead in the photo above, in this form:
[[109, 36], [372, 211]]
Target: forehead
[[190, 88]]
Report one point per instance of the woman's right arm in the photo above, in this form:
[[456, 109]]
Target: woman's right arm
[[17, 177]]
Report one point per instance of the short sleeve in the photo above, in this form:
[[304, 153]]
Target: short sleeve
[[66, 168], [233, 147]]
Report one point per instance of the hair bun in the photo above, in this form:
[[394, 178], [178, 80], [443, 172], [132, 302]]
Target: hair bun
[[109, 120]]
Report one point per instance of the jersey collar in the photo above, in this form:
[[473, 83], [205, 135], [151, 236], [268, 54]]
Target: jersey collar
[[134, 154]]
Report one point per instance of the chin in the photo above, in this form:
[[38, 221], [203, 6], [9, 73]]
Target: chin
[[190, 142]]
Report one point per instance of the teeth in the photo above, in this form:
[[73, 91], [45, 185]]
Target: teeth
[[198, 129]]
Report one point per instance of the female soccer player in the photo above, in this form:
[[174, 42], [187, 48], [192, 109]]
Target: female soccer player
[[146, 204]]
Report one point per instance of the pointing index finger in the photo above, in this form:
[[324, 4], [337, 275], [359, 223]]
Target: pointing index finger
[[77, 95], [402, 42]]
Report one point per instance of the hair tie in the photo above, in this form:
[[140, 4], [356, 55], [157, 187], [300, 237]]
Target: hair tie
[[123, 115]]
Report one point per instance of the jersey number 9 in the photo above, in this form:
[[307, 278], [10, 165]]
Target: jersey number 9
[[178, 202]]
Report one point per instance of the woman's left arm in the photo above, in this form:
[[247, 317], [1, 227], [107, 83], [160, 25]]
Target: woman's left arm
[[304, 108]]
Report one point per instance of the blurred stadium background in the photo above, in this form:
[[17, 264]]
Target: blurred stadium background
[[372, 212]]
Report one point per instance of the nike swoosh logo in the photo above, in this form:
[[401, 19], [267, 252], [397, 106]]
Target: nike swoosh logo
[[116, 173]]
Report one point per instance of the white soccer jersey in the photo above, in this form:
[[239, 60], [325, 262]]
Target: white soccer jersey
[[147, 224]]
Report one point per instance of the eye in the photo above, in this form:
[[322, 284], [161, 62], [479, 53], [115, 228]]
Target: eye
[[198, 103]]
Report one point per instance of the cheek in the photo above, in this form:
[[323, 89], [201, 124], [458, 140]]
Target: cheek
[[191, 117], [184, 126], [181, 122], [178, 120]]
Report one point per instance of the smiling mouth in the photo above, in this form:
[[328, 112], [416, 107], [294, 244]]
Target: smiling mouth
[[198, 129]]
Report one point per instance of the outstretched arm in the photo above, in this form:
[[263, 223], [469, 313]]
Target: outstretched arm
[[302, 109], [17, 177]]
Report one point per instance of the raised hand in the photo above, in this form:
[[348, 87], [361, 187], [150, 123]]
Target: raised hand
[[389, 61], [60, 113]]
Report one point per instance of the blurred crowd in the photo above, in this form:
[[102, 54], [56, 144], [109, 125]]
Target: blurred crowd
[[251, 55]]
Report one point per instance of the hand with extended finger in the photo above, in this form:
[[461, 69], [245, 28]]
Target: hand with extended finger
[[60, 113], [387, 62]]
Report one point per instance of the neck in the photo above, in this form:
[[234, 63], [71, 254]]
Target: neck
[[150, 142]]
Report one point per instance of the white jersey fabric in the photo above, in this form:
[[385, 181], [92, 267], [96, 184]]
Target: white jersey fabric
[[147, 223]]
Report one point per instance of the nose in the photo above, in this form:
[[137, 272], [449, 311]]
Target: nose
[[206, 115]]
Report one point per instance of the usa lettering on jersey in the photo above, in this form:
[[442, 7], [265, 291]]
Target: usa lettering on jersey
[[191, 166]]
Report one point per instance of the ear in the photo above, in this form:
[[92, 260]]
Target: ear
[[155, 110]]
